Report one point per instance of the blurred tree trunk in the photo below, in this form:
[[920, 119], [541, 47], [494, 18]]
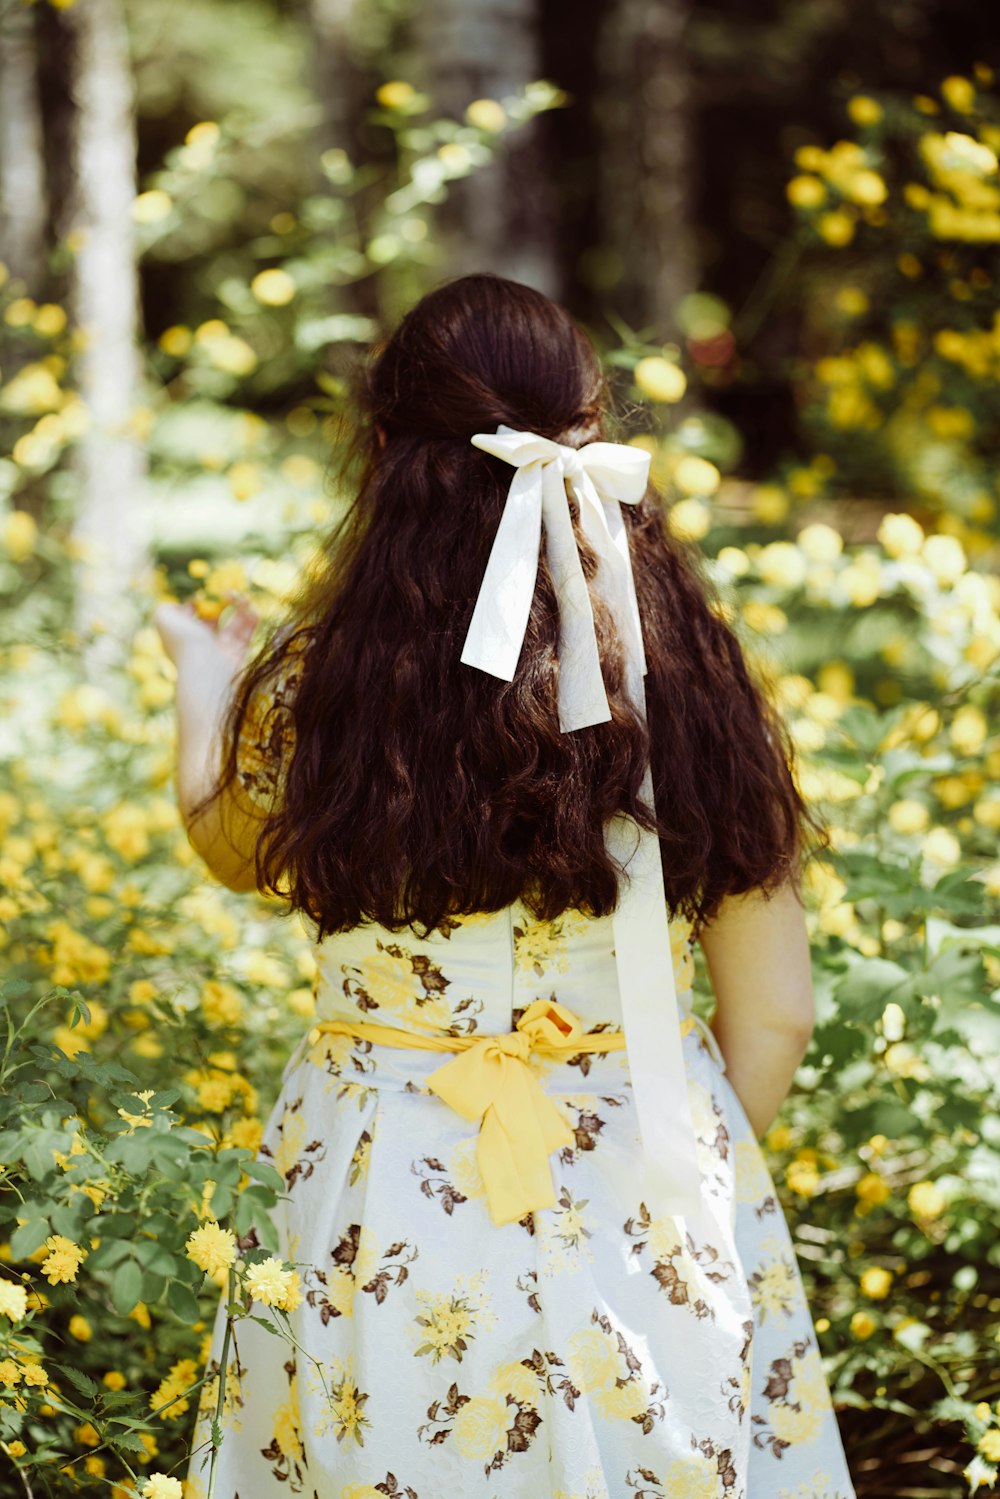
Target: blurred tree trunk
[[500, 219], [23, 204], [647, 169], [111, 527]]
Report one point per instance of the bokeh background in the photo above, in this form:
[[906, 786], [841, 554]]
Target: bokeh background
[[781, 224]]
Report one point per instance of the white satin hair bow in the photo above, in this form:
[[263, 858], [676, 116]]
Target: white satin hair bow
[[602, 476]]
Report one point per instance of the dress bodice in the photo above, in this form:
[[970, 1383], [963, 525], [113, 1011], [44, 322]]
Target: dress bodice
[[477, 973]]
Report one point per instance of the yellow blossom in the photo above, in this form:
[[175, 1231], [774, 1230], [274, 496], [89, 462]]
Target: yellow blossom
[[959, 94], [660, 379], [395, 94], [160, 1486], [269, 1282], [863, 1324], [62, 1259], [211, 1248], [13, 1300], [876, 1282], [487, 115], [864, 110], [19, 533], [273, 287], [80, 1328], [926, 1200]]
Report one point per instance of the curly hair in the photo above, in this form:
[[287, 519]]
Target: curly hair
[[418, 788]]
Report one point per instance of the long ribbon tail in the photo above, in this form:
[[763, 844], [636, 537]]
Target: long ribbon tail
[[652, 1022], [496, 632], [583, 699]]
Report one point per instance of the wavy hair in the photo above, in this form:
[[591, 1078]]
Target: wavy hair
[[417, 788]]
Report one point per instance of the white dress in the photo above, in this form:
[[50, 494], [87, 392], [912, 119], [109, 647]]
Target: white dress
[[584, 1352]]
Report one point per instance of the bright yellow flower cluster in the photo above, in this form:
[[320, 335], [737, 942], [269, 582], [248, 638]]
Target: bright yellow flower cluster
[[212, 1248], [62, 1260], [169, 1399], [270, 1282]]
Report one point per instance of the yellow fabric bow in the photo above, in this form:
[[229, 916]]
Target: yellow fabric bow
[[521, 1123]]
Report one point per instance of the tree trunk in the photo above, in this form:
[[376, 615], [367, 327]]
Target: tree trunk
[[500, 218], [23, 206], [111, 528], [647, 169]]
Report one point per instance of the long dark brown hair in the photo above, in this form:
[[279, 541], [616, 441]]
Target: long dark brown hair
[[418, 788]]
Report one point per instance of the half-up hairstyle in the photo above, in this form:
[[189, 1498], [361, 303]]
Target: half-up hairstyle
[[416, 788]]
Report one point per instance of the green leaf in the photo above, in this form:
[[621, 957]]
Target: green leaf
[[82, 1381], [183, 1302], [126, 1287], [266, 1174], [869, 986], [28, 1237]]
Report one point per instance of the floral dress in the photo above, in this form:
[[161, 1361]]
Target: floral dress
[[587, 1351]]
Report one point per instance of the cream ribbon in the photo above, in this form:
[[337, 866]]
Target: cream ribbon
[[601, 476]]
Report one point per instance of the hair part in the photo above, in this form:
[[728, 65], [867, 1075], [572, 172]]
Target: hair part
[[419, 789]]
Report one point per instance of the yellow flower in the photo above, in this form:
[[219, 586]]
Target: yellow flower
[[805, 191], [115, 1380], [660, 379], [864, 110], [802, 1178], [515, 1379], [989, 1445], [152, 206], [13, 1300], [694, 475], [481, 1427], [876, 1282], [908, 816], [159, 1486], [269, 1282], [62, 1260], [873, 1189], [19, 532], [274, 287], [926, 1200], [87, 1435], [694, 1477], [591, 1359], [35, 1375], [487, 115], [16, 1449], [80, 1329], [959, 94], [395, 94], [836, 227], [175, 341], [621, 1402], [10, 1374], [211, 1248]]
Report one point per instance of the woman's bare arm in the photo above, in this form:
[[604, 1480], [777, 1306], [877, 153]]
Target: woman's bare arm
[[757, 952]]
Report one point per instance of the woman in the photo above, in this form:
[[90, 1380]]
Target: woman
[[498, 742]]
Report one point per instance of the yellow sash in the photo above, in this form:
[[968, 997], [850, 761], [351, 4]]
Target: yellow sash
[[490, 1080]]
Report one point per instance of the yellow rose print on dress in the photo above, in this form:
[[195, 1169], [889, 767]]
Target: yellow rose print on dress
[[680, 948], [358, 1265], [773, 1285], [753, 1181], [542, 947], [491, 1427], [295, 1156], [603, 1365], [703, 1474], [285, 1452], [684, 1271], [454, 1180], [562, 1235], [389, 1488], [447, 1323], [409, 988], [798, 1397], [343, 1404]]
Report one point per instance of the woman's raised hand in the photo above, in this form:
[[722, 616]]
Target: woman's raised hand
[[185, 634]]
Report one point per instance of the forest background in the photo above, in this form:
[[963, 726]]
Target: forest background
[[781, 223]]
